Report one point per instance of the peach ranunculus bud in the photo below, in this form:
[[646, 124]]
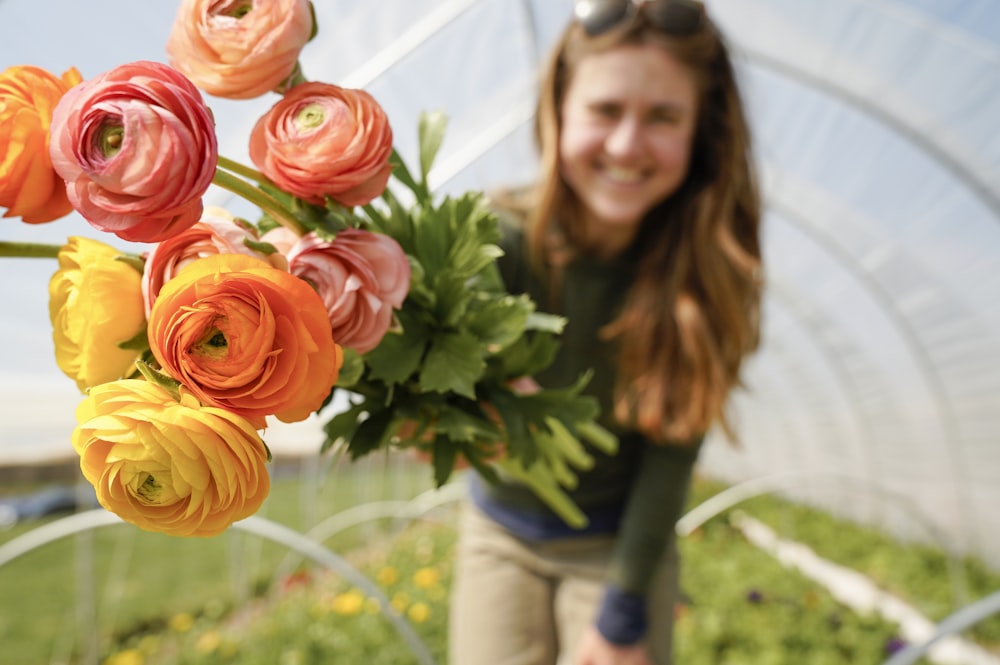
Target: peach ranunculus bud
[[239, 49], [95, 303], [247, 337], [137, 148], [218, 232], [166, 463], [29, 186], [322, 141], [361, 277]]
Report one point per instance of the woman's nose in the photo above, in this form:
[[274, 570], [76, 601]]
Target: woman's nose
[[625, 138]]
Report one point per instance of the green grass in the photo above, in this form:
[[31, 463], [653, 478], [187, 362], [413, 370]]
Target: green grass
[[216, 601], [920, 574]]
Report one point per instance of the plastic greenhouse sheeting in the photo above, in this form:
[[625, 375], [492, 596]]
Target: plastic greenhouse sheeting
[[877, 126]]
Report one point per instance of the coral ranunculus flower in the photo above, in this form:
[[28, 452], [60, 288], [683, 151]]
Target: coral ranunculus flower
[[29, 186], [166, 463], [95, 303], [218, 232], [137, 148], [247, 337], [239, 49], [361, 276], [321, 140]]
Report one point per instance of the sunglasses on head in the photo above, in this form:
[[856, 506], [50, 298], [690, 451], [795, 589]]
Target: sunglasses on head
[[674, 17]]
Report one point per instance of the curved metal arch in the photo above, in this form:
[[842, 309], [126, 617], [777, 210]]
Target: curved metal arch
[[407, 43], [874, 107], [923, 359], [410, 509], [964, 618], [98, 517]]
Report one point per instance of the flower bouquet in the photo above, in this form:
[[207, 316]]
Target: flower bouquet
[[356, 278]]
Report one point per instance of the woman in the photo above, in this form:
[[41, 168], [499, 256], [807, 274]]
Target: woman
[[643, 230]]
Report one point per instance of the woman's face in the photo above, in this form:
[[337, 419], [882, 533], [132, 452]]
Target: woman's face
[[628, 122]]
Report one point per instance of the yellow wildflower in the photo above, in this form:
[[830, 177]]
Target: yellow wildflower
[[181, 623], [426, 577], [387, 575], [419, 612], [127, 657], [208, 642], [348, 603]]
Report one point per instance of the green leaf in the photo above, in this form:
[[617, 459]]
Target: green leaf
[[453, 364], [398, 355], [401, 173], [351, 370], [527, 356], [155, 376], [138, 342], [432, 241], [444, 453], [452, 298], [342, 425], [430, 132], [371, 434], [550, 323], [461, 424], [499, 321], [137, 262], [265, 248]]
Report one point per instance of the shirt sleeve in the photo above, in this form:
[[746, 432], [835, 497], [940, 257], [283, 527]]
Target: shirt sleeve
[[656, 501]]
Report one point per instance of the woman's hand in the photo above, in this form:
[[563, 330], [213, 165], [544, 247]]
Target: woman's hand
[[595, 650], [420, 450]]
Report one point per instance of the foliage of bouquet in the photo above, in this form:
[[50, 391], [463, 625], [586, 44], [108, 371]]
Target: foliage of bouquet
[[342, 284]]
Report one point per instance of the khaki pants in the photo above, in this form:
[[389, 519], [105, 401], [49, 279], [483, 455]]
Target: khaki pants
[[517, 602]]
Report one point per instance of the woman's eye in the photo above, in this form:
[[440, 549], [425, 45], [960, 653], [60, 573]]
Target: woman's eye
[[606, 111], [664, 116]]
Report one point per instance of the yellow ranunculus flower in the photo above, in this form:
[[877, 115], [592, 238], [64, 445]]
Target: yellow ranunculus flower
[[95, 302], [166, 463]]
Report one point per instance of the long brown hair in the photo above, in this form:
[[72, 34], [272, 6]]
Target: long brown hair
[[692, 314]]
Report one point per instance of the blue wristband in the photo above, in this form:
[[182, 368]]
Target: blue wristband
[[622, 617]]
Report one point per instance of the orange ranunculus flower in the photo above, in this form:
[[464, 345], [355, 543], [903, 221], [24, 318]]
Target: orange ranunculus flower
[[239, 50], [321, 140], [217, 232], [166, 463], [29, 186], [247, 337], [95, 303]]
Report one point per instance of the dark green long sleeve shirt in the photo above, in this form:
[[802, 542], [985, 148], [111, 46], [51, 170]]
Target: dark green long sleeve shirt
[[639, 493]]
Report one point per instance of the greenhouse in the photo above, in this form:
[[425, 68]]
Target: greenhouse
[[859, 495]]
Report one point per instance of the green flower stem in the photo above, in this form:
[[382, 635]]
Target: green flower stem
[[29, 250], [259, 198], [243, 170]]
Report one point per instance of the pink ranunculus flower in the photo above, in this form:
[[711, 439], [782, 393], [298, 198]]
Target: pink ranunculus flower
[[137, 149], [361, 277], [321, 140], [239, 49], [217, 232]]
